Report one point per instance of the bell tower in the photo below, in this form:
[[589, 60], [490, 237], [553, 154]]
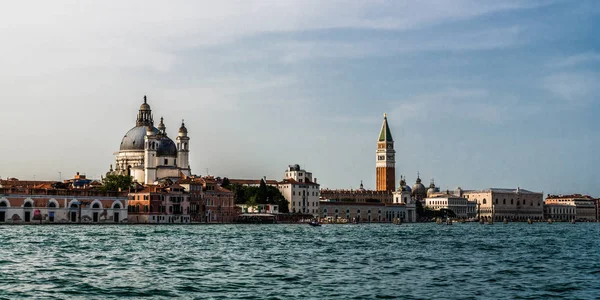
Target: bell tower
[[386, 159]]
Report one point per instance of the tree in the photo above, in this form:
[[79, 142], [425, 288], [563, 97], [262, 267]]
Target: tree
[[262, 192], [116, 183], [225, 183]]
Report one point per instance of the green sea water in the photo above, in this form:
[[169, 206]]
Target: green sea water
[[366, 261]]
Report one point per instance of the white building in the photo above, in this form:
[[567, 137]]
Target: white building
[[148, 154], [403, 196], [19, 209], [513, 204], [584, 207], [300, 191], [459, 205]]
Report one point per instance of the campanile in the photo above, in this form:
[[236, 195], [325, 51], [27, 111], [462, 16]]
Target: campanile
[[386, 159]]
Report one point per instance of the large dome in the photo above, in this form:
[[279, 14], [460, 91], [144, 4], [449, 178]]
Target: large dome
[[166, 147], [134, 138], [418, 190]]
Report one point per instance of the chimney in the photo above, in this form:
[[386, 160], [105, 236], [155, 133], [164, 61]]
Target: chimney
[[315, 179]]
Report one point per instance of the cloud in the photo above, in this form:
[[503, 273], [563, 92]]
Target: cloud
[[578, 59], [461, 103], [576, 88], [61, 35]]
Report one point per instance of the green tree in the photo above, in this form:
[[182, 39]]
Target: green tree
[[262, 192], [115, 183], [225, 183]]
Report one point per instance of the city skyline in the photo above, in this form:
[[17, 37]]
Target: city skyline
[[477, 95]]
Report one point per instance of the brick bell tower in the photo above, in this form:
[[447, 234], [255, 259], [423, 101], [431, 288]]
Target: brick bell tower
[[386, 159]]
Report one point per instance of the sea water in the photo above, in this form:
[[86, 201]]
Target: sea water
[[365, 261]]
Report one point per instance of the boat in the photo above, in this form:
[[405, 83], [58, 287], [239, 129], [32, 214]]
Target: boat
[[314, 223]]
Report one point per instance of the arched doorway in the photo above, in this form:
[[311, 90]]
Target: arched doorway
[[73, 212], [3, 206], [27, 211], [116, 209], [95, 207]]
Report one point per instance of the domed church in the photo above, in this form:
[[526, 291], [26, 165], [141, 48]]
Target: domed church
[[148, 154]]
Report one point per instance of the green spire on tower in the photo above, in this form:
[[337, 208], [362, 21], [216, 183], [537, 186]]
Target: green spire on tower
[[386, 134]]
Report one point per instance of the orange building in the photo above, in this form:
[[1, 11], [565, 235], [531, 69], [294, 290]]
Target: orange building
[[386, 159]]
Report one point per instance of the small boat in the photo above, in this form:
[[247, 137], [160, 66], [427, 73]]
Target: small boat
[[314, 223]]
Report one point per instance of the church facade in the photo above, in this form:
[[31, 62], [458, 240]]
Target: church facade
[[149, 155]]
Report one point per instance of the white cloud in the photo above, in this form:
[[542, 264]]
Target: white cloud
[[578, 59], [52, 36], [460, 103], [576, 88]]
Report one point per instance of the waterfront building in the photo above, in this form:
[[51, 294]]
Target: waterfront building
[[301, 192], [363, 211], [560, 212], [148, 155], [259, 208], [513, 204], [360, 195], [385, 159], [197, 204], [22, 203], [462, 207], [160, 203], [585, 206], [219, 201]]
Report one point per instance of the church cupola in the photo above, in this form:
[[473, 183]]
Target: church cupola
[[145, 115], [182, 130], [161, 127]]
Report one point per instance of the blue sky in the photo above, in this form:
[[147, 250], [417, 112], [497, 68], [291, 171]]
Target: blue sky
[[478, 93]]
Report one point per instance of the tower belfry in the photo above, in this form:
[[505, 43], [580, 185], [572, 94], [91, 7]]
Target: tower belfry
[[386, 159]]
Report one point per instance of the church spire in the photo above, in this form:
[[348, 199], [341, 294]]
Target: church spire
[[385, 135]]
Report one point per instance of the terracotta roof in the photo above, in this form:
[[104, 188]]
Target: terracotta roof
[[292, 181], [251, 181]]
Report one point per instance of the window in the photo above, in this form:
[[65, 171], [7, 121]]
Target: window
[[496, 200], [175, 161], [166, 161], [484, 201], [504, 201], [512, 202]]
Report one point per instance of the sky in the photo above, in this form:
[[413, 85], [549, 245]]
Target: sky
[[478, 94]]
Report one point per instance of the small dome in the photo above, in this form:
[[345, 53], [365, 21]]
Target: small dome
[[145, 105], [134, 138], [166, 147], [182, 129]]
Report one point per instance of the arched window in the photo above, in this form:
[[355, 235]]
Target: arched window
[[73, 205], [52, 205], [117, 206], [3, 204], [484, 201], [496, 200], [137, 208], [27, 204], [512, 202], [96, 205], [523, 202]]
